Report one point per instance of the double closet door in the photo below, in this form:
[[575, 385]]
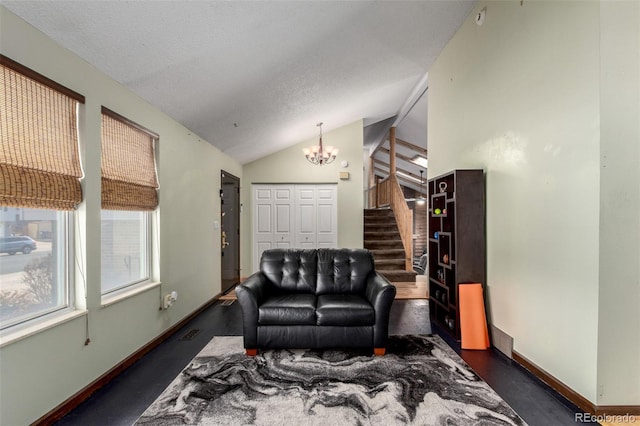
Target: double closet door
[[294, 216]]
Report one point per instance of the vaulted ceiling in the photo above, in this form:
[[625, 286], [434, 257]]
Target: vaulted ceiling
[[254, 77]]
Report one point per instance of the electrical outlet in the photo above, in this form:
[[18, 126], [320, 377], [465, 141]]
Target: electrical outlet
[[166, 301]]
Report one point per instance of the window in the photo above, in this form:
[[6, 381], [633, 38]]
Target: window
[[129, 196], [125, 249], [40, 176], [33, 264]]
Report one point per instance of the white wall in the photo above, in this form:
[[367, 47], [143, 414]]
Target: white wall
[[290, 166], [519, 98], [619, 295], [545, 97], [52, 365]]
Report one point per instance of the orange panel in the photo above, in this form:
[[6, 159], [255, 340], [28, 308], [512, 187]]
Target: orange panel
[[473, 322]]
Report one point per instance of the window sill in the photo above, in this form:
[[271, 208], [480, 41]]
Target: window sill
[[128, 292], [43, 324]]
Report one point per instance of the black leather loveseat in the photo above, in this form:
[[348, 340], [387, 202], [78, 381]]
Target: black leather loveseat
[[324, 298]]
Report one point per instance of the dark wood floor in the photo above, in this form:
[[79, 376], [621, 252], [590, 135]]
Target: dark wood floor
[[124, 399]]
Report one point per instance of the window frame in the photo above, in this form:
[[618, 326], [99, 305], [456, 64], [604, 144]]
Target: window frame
[[148, 226], [65, 273], [65, 208], [150, 213]]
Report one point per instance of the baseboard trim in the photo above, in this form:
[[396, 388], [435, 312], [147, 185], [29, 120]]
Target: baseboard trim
[[79, 397], [564, 390], [618, 410], [575, 398]]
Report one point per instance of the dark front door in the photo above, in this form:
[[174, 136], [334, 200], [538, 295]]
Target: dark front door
[[230, 227]]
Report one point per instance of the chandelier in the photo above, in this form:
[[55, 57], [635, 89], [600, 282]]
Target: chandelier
[[318, 154]]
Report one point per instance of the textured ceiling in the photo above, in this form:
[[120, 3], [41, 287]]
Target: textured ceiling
[[255, 77]]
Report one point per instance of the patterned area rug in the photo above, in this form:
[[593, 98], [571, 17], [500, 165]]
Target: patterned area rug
[[421, 381]]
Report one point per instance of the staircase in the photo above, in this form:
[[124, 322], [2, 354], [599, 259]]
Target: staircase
[[381, 236]]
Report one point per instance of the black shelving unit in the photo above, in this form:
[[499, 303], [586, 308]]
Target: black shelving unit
[[457, 244]]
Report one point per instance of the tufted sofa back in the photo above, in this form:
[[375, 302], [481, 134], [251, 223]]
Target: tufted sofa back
[[290, 270], [318, 271]]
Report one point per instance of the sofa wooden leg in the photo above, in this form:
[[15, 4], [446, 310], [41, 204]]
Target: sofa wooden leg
[[379, 351], [252, 352]]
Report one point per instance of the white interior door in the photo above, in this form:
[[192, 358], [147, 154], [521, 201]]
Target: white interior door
[[262, 223], [294, 216], [305, 224], [326, 216], [283, 216]]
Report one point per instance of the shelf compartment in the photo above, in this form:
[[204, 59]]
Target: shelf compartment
[[445, 253], [446, 182], [435, 225], [448, 222], [439, 205], [439, 314], [438, 283]]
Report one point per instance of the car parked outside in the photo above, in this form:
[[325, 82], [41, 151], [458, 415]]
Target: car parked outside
[[12, 245]]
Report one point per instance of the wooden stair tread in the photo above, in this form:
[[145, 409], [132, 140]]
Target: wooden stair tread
[[382, 238]]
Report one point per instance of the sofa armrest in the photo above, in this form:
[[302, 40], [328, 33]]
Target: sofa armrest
[[251, 294], [380, 293]]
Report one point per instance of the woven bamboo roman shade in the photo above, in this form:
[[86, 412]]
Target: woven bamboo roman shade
[[129, 180], [39, 159]]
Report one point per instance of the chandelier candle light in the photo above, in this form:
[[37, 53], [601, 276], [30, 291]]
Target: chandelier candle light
[[319, 155]]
